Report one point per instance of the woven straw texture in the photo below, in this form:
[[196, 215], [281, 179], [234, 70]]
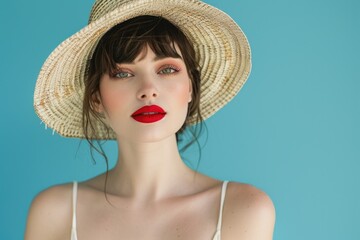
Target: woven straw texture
[[221, 47]]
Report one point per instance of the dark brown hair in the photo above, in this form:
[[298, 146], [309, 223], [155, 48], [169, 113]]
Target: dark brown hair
[[123, 43]]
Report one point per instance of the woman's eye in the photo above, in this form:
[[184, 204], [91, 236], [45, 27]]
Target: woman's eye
[[168, 70], [123, 75]]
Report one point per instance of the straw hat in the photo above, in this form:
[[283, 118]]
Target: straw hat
[[221, 47]]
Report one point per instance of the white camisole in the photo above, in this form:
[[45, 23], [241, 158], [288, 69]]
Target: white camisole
[[217, 235]]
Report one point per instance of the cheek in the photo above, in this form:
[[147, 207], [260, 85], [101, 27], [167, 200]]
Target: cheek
[[113, 98], [182, 93]]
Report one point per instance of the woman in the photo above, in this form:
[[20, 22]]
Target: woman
[[142, 72]]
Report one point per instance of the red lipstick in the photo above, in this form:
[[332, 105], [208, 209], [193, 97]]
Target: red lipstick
[[149, 114]]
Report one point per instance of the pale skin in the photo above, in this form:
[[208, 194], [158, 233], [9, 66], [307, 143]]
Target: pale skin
[[154, 195]]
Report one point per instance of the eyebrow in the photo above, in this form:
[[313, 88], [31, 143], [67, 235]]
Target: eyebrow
[[156, 58]]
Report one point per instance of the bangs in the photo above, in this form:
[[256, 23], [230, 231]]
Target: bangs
[[125, 41]]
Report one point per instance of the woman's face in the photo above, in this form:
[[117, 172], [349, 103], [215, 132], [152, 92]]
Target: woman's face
[[147, 81]]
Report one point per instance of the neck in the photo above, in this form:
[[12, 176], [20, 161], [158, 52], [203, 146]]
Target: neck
[[150, 171]]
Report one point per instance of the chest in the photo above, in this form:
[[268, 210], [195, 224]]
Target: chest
[[181, 219]]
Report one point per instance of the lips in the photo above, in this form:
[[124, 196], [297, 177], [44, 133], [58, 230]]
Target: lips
[[149, 114]]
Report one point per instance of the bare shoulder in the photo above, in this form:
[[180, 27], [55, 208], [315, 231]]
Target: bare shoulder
[[50, 214], [246, 196], [248, 212]]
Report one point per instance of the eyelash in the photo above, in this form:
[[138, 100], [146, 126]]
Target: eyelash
[[173, 69], [115, 75]]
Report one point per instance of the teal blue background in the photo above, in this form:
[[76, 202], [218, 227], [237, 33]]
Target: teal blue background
[[293, 130]]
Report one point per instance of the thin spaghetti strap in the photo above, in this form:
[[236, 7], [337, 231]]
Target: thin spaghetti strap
[[74, 199], [223, 193]]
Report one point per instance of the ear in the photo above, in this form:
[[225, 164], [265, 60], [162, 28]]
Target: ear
[[97, 104], [190, 90]]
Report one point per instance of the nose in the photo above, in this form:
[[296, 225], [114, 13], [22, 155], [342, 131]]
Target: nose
[[147, 91]]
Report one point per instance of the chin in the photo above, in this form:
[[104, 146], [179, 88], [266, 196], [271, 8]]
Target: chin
[[149, 135], [154, 132]]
